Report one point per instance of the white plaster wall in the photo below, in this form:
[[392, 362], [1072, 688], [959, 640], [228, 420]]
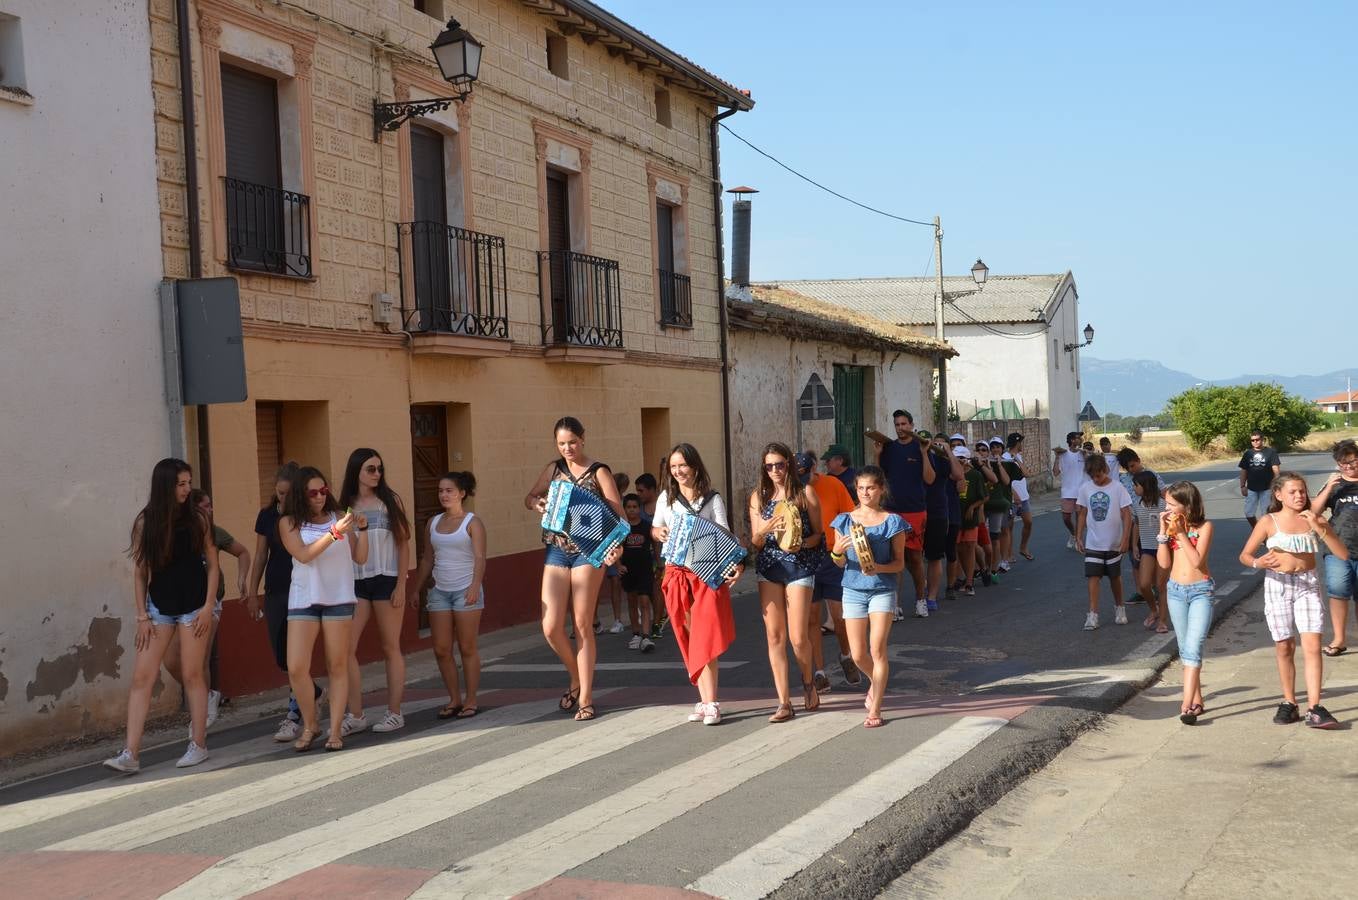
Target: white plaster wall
[[989, 367], [1064, 379], [83, 409]]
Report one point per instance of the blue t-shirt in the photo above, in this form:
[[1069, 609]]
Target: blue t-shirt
[[879, 538], [936, 497], [904, 467]]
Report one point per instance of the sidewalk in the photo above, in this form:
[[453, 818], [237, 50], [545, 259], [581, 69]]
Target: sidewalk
[[1144, 807]]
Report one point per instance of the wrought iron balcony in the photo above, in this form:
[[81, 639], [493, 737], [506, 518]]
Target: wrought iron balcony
[[267, 229], [452, 280], [676, 300], [582, 305]]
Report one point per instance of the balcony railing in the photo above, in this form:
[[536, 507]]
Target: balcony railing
[[676, 300], [457, 278], [267, 229], [583, 302]]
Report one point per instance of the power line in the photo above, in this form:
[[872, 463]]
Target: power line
[[813, 182], [1013, 335]]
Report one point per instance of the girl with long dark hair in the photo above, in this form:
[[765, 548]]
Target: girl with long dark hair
[[569, 581], [787, 569], [175, 585], [324, 543], [379, 583]]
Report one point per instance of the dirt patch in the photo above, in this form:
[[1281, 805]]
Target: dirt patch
[[98, 655]]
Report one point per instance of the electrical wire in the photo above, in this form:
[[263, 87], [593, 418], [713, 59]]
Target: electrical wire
[[1013, 335], [813, 182]]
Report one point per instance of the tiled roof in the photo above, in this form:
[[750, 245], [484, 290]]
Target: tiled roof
[[1341, 397], [787, 312], [910, 301]]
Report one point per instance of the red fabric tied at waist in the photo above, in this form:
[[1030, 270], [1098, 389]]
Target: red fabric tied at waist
[[700, 617]]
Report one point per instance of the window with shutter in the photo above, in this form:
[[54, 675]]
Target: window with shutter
[[559, 242], [429, 233], [256, 228]]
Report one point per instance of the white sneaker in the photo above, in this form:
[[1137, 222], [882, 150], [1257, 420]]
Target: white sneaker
[[393, 721], [1004, 565], [192, 756], [647, 645], [921, 609], [353, 724], [214, 701], [1119, 615], [288, 730], [699, 712], [618, 627], [1091, 621], [124, 762], [634, 643], [1070, 542], [713, 714]]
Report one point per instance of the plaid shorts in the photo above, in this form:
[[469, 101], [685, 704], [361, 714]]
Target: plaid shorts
[[1292, 604]]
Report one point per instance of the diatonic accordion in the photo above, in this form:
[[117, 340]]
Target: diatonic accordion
[[584, 517], [703, 547]]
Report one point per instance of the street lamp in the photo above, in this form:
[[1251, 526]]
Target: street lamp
[[1089, 339], [979, 273], [458, 55]]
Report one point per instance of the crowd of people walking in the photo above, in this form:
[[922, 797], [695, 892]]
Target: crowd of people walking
[[830, 547]]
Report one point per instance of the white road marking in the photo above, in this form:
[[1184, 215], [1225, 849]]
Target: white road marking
[[574, 839], [29, 812], [759, 870], [608, 667], [1150, 646], [1063, 680], [270, 863], [224, 805]]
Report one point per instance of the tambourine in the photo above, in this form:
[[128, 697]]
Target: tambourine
[[790, 538], [858, 536]]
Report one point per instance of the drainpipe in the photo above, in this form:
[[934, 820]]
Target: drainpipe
[[721, 300], [191, 190]]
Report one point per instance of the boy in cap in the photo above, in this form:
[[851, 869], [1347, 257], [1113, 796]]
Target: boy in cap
[[1022, 506]]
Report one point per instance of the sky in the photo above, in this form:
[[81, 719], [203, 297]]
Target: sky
[[1192, 164]]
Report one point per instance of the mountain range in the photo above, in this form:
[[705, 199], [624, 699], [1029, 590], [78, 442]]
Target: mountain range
[[1136, 387]]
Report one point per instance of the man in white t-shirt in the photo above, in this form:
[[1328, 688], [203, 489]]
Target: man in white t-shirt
[[1070, 468], [1103, 533]]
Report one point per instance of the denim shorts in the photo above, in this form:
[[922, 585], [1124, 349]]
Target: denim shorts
[[1341, 577], [995, 522], [1020, 508], [454, 601], [317, 612], [563, 559], [808, 581], [858, 604], [829, 582], [375, 587], [159, 618]]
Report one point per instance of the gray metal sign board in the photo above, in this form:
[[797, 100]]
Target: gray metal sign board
[[211, 348]]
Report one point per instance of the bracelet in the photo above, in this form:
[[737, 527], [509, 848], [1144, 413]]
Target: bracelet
[[143, 618], [1162, 539], [335, 535], [1254, 563], [836, 556]]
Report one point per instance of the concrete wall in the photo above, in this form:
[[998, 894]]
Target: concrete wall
[[769, 372], [1064, 378], [83, 409]]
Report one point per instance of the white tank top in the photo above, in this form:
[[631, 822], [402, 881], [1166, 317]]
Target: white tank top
[[454, 558], [383, 554], [328, 580]]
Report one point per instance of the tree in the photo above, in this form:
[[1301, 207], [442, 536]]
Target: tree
[[1206, 413]]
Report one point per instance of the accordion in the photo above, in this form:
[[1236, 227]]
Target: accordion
[[584, 517], [704, 548]]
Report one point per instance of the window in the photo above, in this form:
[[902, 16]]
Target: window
[[816, 402], [433, 8], [12, 81], [662, 107], [557, 62], [1056, 354], [670, 247]]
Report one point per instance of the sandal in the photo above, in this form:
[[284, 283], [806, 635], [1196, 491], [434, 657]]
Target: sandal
[[585, 713], [1331, 650], [1149, 622], [812, 701], [873, 722], [569, 699], [450, 711], [334, 744], [1162, 628], [303, 743], [467, 712], [1026, 555], [784, 712]]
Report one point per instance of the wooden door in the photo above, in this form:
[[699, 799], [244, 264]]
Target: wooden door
[[848, 394], [429, 451], [269, 438]]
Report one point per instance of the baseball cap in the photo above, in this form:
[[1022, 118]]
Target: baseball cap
[[961, 452], [996, 440], [804, 461], [1014, 438], [924, 434], [835, 450], [959, 437]]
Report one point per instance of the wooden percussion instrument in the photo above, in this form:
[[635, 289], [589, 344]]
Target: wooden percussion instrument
[[858, 535], [790, 538]]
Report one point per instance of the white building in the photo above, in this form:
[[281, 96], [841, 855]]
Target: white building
[[80, 354], [1011, 337]]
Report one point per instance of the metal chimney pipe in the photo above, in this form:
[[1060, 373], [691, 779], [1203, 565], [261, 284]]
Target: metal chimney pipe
[[740, 236]]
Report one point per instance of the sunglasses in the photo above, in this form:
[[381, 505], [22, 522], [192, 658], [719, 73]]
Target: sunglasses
[[374, 470], [318, 492], [775, 466]]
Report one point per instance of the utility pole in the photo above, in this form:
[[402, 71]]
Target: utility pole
[[1349, 415], [938, 330]]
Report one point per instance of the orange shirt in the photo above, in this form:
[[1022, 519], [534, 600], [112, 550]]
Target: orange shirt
[[834, 499]]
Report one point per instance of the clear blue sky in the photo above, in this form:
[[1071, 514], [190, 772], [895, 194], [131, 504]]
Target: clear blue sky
[[1192, 164]]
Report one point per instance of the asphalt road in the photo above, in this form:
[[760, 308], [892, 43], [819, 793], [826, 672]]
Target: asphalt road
[[522, 799]]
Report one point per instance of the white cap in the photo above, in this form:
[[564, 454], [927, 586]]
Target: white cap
[[996, 440], [958, 437], [961, 452]]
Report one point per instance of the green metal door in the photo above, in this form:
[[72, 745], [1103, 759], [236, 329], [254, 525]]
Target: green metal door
[[848, 391]]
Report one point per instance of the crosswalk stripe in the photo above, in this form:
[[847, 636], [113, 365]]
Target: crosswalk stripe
[[30, 812], [759, 870], [268, 864], [608, 667], [574, 839], [246, 798]]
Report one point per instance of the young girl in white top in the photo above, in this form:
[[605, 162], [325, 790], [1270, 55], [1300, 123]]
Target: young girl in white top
[[1151, 577], [1291, 535], [457, 560], [324, 545]]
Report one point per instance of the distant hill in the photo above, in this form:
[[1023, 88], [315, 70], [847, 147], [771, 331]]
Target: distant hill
[[1135, 387]]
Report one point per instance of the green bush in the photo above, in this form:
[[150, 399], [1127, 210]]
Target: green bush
[[1206, 413]]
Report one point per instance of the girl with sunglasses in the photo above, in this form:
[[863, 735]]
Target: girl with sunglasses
[[787, 577], [324, 545], [379, 584]]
